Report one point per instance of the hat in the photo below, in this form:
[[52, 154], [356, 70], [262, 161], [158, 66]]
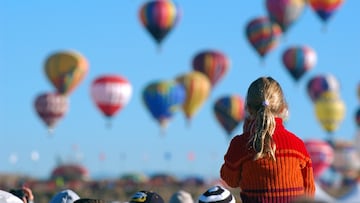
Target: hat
[[217, 194], [65, 196], [181, 196], [7, 197], [146, 197]]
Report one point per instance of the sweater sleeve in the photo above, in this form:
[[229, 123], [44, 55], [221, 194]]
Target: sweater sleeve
[[230, 170], [308, 175]]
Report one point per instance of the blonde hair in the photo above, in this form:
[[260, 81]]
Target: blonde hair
[[264, 101]]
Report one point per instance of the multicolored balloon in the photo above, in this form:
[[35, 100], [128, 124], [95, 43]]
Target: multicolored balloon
[[110, 93], [159, 17], [324, 9], [263, 35], [197, 87], [212, 63], [357, 117], [229, 111], [163, 99], [346, 157], [65, 70], [322, 83], [285, 12], [321, 154], [298, 60], [330, 110], [51, 108]]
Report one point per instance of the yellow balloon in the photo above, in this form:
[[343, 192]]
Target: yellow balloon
[[65, 70], [330, 110], [197, 86]]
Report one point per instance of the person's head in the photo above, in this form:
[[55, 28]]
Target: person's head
[[65, 196], [181, 196], [217, 194], [146, 197], [89, 200], [264, 101]]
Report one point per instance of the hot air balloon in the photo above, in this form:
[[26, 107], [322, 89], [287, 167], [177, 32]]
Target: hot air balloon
[[321, 83], [163, 99], [159, 17], [111, 93], [284, 12], [324, 9], [357, 117], [51, 107], [346, 158], [298, 60], [229, 111], [321, 154], [65, 70], [212, 63], [197, 88], [263, 35], [330, 111]]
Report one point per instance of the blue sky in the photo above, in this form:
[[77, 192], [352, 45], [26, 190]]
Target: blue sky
[[110, 36]]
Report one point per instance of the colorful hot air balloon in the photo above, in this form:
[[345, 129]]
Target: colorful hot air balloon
[[346, 157], [324, 9], [321, 154], [330, 110], [321, 83], [51, 107], [163, 99], [65, 70], [197, 87], [110, 93], [229, 112], [298, 60], [212, 63], [284, 12], [263, 35], [159, 17], [357, 117]]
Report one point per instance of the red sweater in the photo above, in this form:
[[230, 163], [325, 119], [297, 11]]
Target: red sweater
[[266, 180]]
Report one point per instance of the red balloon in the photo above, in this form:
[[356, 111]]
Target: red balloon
[[111, 93], [321, 154]]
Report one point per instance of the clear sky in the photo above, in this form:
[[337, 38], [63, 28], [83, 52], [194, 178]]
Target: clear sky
[[110, 36]]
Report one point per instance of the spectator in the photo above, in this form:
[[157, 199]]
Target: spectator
[[181, 196], [217, 194]]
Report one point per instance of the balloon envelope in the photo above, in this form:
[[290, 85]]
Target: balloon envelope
[[159, 17], [357, 117], [324, 9], [298, 60], [284, 12], [110, 93], [163, 99], [263, 35], [330, 111], [51, 107], [65, 70], [197, 89], [320, 84], [321, 154], [229, 112], [214, 64]]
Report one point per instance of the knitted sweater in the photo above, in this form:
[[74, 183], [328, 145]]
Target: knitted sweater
[[266, 180]]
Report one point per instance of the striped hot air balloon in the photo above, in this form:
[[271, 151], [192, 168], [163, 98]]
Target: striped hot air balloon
[[298, 60], [212, 63], [159, 17], [263, 35]]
